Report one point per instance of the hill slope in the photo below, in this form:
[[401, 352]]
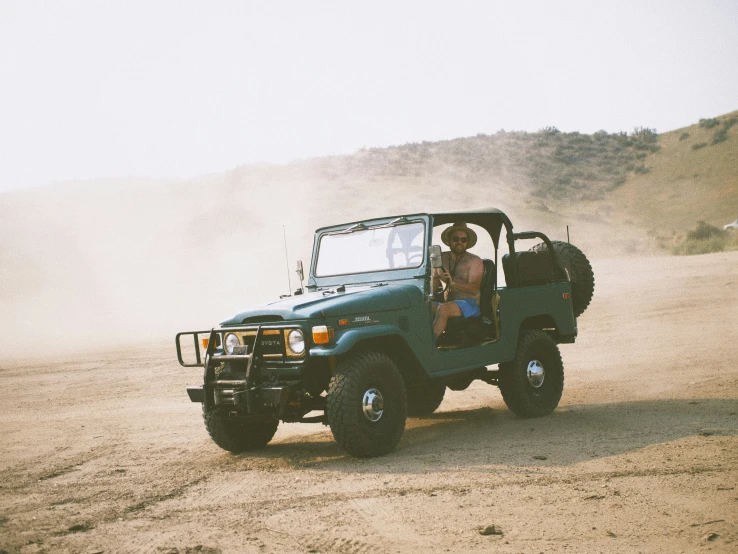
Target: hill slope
[[694, 176], [112, 261]]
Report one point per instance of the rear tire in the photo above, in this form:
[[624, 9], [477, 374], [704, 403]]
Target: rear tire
[[238, 435], [532, 383], [366, 405], [579, 270]]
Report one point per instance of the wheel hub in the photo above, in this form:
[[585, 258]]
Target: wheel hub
[[372, 405], [536, 374]]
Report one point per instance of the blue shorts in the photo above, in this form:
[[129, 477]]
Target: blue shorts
[[468, 307]]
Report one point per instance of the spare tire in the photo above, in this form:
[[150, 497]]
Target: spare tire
[[578, 268]]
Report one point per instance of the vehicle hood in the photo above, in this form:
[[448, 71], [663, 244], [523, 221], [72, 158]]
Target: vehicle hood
[[331, 303]]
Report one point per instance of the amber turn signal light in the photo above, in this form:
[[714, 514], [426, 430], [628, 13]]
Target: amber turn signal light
[[322, 334]]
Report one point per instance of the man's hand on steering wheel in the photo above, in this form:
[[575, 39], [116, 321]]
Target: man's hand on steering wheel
[[444, 277]]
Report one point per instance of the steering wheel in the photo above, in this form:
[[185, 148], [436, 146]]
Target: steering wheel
[[414, 254]]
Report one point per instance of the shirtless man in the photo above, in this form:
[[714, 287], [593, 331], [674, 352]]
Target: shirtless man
[[462, 272]]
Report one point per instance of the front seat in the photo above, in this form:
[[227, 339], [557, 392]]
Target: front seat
[[472, 331]]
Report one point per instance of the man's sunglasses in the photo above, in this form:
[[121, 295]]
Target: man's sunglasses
[[459, 239]]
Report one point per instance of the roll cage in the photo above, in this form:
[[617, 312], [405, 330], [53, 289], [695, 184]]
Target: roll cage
[[490, 219]]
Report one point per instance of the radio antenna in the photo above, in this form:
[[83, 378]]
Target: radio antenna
[[567, 234], [289, 281]]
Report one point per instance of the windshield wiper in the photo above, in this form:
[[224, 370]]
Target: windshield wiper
[[340, 288], [355, 227], [391, 223], [361, 227]]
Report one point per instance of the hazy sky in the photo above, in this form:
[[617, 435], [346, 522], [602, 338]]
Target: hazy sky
[[94, 89]]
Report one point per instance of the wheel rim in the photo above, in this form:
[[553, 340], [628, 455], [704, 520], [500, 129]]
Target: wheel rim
[[372, 405], [536, 374]]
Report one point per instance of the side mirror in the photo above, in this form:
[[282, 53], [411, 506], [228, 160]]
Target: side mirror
[[435, 256], [300, 272]]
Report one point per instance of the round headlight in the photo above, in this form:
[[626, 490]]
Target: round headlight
[[297, 341], [231, 340]]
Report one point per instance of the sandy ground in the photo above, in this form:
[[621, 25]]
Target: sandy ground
[[104, 452]]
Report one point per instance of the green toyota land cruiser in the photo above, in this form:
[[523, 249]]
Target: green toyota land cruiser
[[354, 346]]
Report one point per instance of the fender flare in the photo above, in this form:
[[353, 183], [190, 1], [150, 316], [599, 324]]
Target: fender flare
[[347, 340]]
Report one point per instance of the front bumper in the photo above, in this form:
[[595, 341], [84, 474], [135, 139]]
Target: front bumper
[[233, 393]]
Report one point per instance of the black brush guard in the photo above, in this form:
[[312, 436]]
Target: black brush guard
[[238, 393]]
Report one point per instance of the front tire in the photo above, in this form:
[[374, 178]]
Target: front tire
[[532, 383], [366, 405], [238, 435]]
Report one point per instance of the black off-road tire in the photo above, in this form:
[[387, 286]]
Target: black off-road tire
[[580, 273], [366, 405], [423, 397], [238, 435], [521, 385]]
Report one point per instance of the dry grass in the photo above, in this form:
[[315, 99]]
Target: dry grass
[[704, 239], [685, 185], [690, 247]]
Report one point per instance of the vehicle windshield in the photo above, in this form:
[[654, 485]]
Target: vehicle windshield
[[369, 249]]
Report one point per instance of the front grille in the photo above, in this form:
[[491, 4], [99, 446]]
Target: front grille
[[271, 342]]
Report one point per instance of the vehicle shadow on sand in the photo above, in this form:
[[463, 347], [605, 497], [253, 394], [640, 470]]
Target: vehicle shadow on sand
[[489, 437]]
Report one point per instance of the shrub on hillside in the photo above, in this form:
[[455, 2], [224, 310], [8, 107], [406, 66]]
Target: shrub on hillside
[[577, 166], [699, 145], [645, 134], [695, 247], [619, 181], [644, 138], [684, 136], [720, 136], [601, 135], [709, 123], [705, 231], [704, 239]]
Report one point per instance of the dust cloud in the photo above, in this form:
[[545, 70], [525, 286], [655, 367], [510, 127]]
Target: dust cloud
[[111, 263], [106, 264]]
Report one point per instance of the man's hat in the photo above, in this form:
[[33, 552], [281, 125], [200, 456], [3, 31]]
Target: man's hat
[[461, 226]]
